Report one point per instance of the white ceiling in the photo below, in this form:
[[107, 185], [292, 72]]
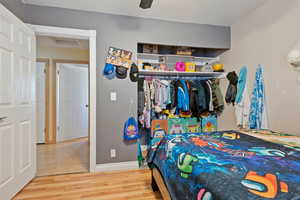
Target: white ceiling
[[216, 12]]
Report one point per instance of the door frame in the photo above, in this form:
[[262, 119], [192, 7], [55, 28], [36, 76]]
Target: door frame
[[47, 78], [86, 35], [55, 120]]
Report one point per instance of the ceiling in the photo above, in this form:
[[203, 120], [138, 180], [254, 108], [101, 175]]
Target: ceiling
[[55, 42], [216, 12]]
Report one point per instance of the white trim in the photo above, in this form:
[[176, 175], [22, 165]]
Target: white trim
[[91, 36], [63, 32], [57, 100], [117, 166], [92, 108]]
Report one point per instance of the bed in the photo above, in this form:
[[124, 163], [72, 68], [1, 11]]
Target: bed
[[227, 165]]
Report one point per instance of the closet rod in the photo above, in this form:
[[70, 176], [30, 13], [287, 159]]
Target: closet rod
[[182, 75], [176, 78]]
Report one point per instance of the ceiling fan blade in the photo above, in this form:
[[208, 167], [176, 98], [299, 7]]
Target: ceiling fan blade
[[145, 4]]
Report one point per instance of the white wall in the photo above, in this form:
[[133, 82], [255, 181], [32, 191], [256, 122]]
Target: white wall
[[265, 37]]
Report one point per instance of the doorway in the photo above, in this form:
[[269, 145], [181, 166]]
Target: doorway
[[68, 144], [72, 100], [62, 105]]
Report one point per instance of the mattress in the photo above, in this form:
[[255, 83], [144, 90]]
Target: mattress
[[285, 139], [227, 165]]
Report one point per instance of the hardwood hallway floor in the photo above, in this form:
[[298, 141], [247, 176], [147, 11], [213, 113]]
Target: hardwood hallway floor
[[62, 158], [122, 185]]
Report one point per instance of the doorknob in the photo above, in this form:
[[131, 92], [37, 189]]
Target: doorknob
[[2, 118]]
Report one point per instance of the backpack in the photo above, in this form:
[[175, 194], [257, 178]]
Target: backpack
[[131, 129]]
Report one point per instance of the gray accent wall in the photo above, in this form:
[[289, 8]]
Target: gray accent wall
[[15, 6], [124, 32]]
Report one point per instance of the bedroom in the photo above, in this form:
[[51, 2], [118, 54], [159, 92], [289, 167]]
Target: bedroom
[[252, 32]]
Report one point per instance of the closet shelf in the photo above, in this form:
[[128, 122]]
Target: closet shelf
[[181, 75], [179, 56]]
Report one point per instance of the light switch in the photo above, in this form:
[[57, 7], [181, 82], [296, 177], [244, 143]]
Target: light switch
[[113, 153], [113, 96]]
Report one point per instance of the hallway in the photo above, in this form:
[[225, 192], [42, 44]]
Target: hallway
[[62, 158]]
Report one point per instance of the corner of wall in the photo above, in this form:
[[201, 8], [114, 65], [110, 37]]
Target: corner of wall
[[17, 7]]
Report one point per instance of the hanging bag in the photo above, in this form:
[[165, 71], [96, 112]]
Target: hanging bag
[[131, 127]]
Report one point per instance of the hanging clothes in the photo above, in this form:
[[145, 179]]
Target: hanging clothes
[[211, 105], [162, 99], [207, 93], [145, 117], [141, 96], [198, 100], [167, 93], [242, 100], [217, 97], [232, 87], [258, 112], [183, 100], [242, 80], [173, 93]]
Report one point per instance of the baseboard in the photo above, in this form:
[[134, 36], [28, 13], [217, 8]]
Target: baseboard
[[117, 166]]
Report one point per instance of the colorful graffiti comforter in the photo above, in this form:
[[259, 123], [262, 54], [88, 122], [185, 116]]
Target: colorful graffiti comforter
[[226, 165]]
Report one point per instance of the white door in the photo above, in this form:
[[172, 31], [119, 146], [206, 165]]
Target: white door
[[72, 101], [40, 101], [17, 105]]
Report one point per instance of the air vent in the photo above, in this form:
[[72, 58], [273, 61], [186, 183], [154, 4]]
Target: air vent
[[66, 42]]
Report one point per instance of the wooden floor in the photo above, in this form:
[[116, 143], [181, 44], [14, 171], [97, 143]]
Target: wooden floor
[[123, 185], [63, 158]]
